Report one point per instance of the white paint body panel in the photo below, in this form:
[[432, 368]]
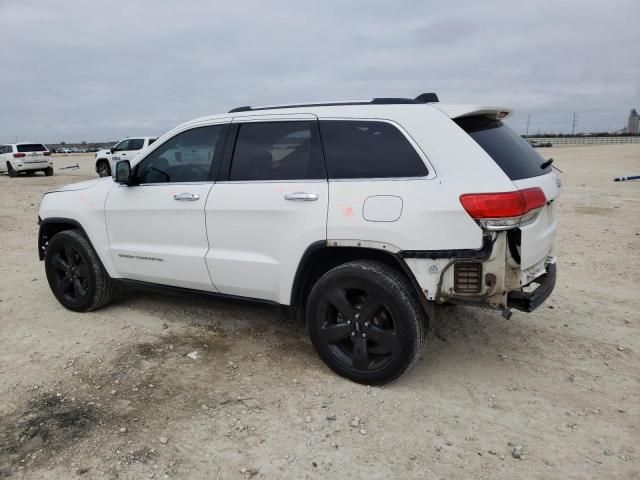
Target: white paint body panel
[[31, 160], [244, 238], [155, 238], [538, 236], [257, 237]]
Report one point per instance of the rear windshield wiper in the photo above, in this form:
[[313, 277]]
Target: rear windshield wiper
[[548, 163]]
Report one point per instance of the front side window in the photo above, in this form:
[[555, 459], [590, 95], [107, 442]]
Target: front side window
[[276, 151], [122, 146], [187, 157], [135, 144], [368, 149]]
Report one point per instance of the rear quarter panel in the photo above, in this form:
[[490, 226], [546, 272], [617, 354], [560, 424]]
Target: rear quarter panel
[[432, 217]]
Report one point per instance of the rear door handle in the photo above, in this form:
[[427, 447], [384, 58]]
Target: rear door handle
[[301, 196], [186, 197]]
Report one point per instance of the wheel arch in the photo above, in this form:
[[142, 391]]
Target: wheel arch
[[319, 258], [50, 226]]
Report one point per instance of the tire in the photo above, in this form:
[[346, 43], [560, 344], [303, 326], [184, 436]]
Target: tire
[[103, 168], [366, 322], [48, 171], [75, 274], [12, 173]]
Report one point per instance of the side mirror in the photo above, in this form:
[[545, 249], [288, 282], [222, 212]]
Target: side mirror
[[123, 172], [112, 149]]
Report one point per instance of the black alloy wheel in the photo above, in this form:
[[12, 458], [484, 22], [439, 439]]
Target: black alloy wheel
[[366, 322], [75, 274], [71, 274]]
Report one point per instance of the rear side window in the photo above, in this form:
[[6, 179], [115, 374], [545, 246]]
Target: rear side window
[[277, 151], [151, 140], [368, 149], [136, 143], [31, 147], [509, 150]]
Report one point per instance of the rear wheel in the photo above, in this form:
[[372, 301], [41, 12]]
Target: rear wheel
[[12, 173], [48, 171], [103, 169], [366, 322], [75, 274]]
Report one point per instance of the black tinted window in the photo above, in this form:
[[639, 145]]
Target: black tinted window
[[509, 150], [135, 144], [151, 140], [31, 147], [187, 157], [367, 149], [276, 151], [122, 146]]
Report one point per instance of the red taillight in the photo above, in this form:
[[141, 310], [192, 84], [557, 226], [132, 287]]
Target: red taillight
[[503, 205], [46, 154], [18, 155]]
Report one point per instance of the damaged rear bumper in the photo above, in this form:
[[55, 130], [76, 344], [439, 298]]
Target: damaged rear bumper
[[529, 301]]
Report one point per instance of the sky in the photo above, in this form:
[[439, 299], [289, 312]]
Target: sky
[[102, 70]]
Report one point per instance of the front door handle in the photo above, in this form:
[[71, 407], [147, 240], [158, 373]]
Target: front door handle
[[186, 197], [301, 196]]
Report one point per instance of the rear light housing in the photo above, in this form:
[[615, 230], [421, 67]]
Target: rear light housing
[[504, 210], [19, 155], [46, 154]]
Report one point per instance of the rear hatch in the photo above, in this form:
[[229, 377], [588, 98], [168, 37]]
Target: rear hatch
[[523, 165], [33, 152]]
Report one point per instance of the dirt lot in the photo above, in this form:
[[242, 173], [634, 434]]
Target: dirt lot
[[112, 394]]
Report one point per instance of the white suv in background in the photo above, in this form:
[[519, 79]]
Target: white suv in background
[[126, 149], [25, 157], [361, 216]]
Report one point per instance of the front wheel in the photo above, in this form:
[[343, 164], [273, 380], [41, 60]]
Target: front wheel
[[103, 169], [366, 322], [75, 274]]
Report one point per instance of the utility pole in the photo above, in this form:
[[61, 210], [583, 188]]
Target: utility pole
[[528, 118], [575, 122]]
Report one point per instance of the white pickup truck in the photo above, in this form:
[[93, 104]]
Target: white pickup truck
[[126, 149]]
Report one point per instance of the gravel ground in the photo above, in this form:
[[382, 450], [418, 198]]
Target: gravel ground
[[120, 393]]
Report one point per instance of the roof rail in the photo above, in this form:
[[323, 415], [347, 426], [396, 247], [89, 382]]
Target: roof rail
[[422, 98]]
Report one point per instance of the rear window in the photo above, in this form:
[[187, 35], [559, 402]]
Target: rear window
[[368, 149], [509, 150], [31, 147]]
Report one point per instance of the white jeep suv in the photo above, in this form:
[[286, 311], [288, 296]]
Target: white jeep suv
[[126, 149], [360, 216], [25, 157]]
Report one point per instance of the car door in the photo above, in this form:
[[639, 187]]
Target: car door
[[268, 206], [3, 157], [117, 152], [157, 228]]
